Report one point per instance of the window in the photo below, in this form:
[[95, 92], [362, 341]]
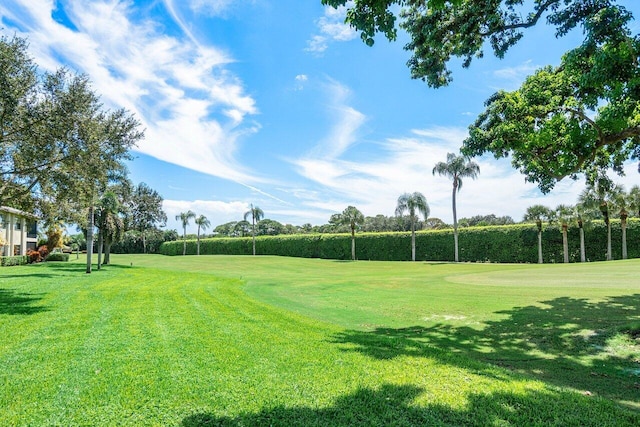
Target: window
[[32, 229], [1, 221], [16, 250], [18, 224]]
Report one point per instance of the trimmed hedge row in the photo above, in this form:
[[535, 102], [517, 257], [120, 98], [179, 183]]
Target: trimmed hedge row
[[8, 261], [510, 243]]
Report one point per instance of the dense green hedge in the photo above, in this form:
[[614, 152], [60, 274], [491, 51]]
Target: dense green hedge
[[7, 261], [510, 243]]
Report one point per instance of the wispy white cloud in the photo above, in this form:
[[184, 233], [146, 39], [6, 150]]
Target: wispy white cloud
[[347, 122], [193, 108], [332, 28], [511, 78], [338, 177]]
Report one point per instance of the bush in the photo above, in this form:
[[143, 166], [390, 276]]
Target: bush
[[8, 261], [57, 256], [516, 243], [33, 256]]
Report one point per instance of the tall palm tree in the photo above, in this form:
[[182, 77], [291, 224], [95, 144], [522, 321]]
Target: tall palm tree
[[415, 204], [184, 218], [352, 217], [563, 214], [256, 215], [601, 196], [622, 203], [581, 215], [538, 213], [203, 223], [456, 168]]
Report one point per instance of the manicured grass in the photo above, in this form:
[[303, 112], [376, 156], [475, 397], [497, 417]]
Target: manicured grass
[[215, 340]]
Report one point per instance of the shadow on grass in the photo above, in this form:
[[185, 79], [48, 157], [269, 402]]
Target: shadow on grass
[[82, 267], [12, 302], [393, 405], [567, 342]]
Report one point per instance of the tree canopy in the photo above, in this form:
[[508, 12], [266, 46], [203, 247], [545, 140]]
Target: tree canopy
[[581, 117], [443, 29], [58, 145]]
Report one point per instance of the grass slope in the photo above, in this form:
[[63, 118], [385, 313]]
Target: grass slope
[[209, 340]]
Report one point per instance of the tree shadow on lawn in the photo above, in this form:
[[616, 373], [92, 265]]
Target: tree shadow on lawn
[[568, 343], [394, 405], [12, 302]]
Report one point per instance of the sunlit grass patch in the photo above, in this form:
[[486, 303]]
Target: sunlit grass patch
[[273, 341]]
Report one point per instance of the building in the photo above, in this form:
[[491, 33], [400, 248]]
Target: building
[[18, 231]]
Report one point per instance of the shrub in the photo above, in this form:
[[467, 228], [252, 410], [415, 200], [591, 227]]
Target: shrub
[[57, 256], [44, 251], [33, 256], [8, 261], [516, 243]]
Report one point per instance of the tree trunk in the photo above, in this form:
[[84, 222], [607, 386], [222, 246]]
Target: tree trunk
[[413, 240], [455, 222], [353, 244], [623, 225], [90, 240], [184, 241], [100, 244], [609, 256], [107, 253], [144, 243], [539, 225], [253, 234], [583, 257], [198, 245], [565, 244]]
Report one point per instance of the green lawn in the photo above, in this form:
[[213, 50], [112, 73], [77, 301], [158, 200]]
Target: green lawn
[[214, 340]]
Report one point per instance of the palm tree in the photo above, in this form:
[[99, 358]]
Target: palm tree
[[601, 195], [353, 217], [203, 223], [184, 217], [415, 204], [538, 213], [256, 215], [563, 215], [622, 203], [634, 199], [581, 215], [456, 167]]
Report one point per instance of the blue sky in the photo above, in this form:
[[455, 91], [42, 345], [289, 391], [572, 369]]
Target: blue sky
[[279, 104]]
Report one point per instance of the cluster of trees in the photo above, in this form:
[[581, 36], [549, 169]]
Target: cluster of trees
[[351, 219], [602, 200], [580, 117], [62, 153]]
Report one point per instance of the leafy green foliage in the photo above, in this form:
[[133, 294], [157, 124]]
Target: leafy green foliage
[[9, 261], [57, 256], [580, 117], [506, 244]]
